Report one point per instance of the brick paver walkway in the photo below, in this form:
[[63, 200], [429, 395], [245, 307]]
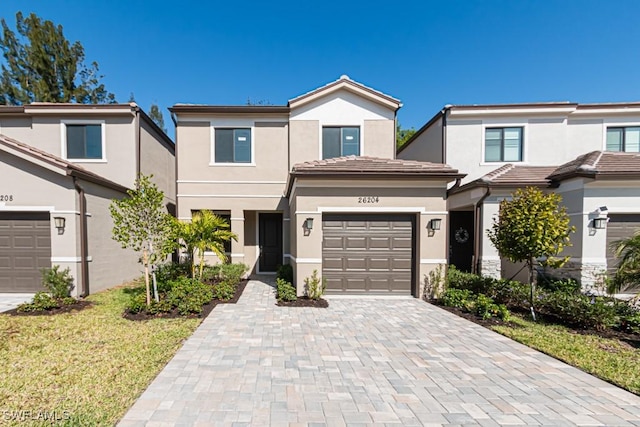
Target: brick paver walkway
[[367, 362]]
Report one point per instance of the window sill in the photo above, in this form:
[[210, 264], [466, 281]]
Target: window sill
[[523, 162], [244, 165], [87, 160]]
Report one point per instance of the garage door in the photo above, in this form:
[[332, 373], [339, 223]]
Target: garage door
[[25, 248], [370, 254], [620, 226]]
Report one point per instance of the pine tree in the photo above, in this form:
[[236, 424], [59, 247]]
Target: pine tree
[[156, 116], [40, 64]]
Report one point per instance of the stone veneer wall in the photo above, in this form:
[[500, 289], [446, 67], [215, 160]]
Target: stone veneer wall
[[589, 274], [490, 268]]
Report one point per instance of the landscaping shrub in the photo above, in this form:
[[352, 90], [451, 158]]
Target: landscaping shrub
[[137, 302], [457, 298], [233, 272], [211, 273], [315, 286], [628, 318], [58, 283], [285, 272], [579, 310], [511, 293], [285, 291], [486, 308], [224, 290], [472, 282], [189, 295], [169, 271], [559, 285], [42, 301]]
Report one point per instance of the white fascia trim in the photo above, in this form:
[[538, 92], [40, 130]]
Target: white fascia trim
[[65, 212], [589, 260], [420, 210], [27, 208], [63, 138], [235, 196], [504, 112], [69, 259], [192, 181], [237, 255], [433, 261], [308, 260], [606, 111]]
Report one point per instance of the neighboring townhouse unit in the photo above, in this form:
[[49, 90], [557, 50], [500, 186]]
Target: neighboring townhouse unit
[[582, 151], [61, 165], [315, 184]]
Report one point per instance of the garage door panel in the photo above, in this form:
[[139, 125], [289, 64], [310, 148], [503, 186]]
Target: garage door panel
[[25, 248], [376, 253]]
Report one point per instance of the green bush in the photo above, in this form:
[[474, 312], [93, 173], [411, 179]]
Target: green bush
[[315, 286], [137, 303], [579, 310], [169, 271], [559, 285], [233, 272], [58, 283], [285, 272], [457, 298], [42, 301], [511, 293], [211, 273], [628, 318], [285, 291], [460, 280], [189, 295], [486, 308], [224, 290]]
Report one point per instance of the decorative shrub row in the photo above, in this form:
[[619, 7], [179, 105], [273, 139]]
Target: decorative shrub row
[[479, 304], [59, 284]]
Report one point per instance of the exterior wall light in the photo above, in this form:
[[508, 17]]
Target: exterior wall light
[[308, 224], [59, 223], [599, 223], [434, 224]]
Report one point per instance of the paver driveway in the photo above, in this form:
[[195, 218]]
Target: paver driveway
[[367, 362]]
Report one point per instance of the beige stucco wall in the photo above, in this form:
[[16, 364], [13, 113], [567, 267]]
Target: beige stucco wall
[[427, 147], [379, 138], [423, 198], [304, 141], [158, 160]]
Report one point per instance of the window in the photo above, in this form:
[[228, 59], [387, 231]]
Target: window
[[623, 139], [232, 145], [340, 141], [503, 144], [84, 141]]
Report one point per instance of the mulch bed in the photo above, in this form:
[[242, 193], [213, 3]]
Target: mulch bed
[[304, 302], [632, 340], [77, 306], [206, 309]]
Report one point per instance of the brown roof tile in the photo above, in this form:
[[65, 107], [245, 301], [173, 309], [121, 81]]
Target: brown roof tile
[[519, 175], [358, 165], [600, 164]]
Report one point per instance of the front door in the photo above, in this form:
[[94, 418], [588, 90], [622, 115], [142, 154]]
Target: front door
[[461, 239], [270, 241]]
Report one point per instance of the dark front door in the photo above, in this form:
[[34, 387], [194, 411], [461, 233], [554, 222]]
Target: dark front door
[[270, 230], [461, 239]]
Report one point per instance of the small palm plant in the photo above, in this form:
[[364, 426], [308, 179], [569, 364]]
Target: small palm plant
[[206, 231], [628, 269]]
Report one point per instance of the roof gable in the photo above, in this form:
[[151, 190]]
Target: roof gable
[[345, 83]]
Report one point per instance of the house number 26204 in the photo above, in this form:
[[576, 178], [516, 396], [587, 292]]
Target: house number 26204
[[6, 197], [370, 199]]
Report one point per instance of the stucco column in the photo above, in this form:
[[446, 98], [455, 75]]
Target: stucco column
[[237, 227]]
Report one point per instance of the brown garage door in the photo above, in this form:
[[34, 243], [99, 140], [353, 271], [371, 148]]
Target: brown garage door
[[620, 226], [25, 248], [368, 254]]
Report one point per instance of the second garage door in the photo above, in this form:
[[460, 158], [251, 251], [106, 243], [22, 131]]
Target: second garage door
[[25, 248], [370, 254]]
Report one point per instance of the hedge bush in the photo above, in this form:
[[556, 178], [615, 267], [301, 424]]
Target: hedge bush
[[285, 291]]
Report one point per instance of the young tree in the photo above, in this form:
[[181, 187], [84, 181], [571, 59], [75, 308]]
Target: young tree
[[206, 231], [530, 226], [156, 116], [40, 64], [142, 223]]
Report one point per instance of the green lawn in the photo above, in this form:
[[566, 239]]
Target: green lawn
[[610, 359], [89, 365]]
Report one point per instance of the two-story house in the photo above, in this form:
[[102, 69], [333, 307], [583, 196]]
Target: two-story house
[[61, 165], [586, 152], [315, 184]]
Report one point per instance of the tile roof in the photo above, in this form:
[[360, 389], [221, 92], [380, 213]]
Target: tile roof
[[600, 164], [517, 174], [359, 165], [68, 167], [345, 79]]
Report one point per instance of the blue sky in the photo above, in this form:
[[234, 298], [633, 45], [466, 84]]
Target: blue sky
[[426, 53]]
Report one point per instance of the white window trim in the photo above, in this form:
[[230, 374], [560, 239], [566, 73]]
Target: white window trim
[[623, 125], [63, 139], [525, 142], [326, 125], [232, 124]]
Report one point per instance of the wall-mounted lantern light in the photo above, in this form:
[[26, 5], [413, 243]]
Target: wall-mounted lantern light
[[308, 224], [434, 224], [59, 223], [599, 223]]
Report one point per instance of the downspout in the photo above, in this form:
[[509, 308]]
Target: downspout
[[477, 220], [84, 250]]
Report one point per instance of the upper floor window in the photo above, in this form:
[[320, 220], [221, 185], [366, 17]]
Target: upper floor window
[[84, 142], [340, 141], [623, 139], [232, 145], [503, 144]]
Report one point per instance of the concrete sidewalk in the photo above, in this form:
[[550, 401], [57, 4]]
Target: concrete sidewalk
[[367, 362]]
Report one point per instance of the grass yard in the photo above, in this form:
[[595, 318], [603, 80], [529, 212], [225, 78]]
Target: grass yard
[[86, 367], [612, 360]]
